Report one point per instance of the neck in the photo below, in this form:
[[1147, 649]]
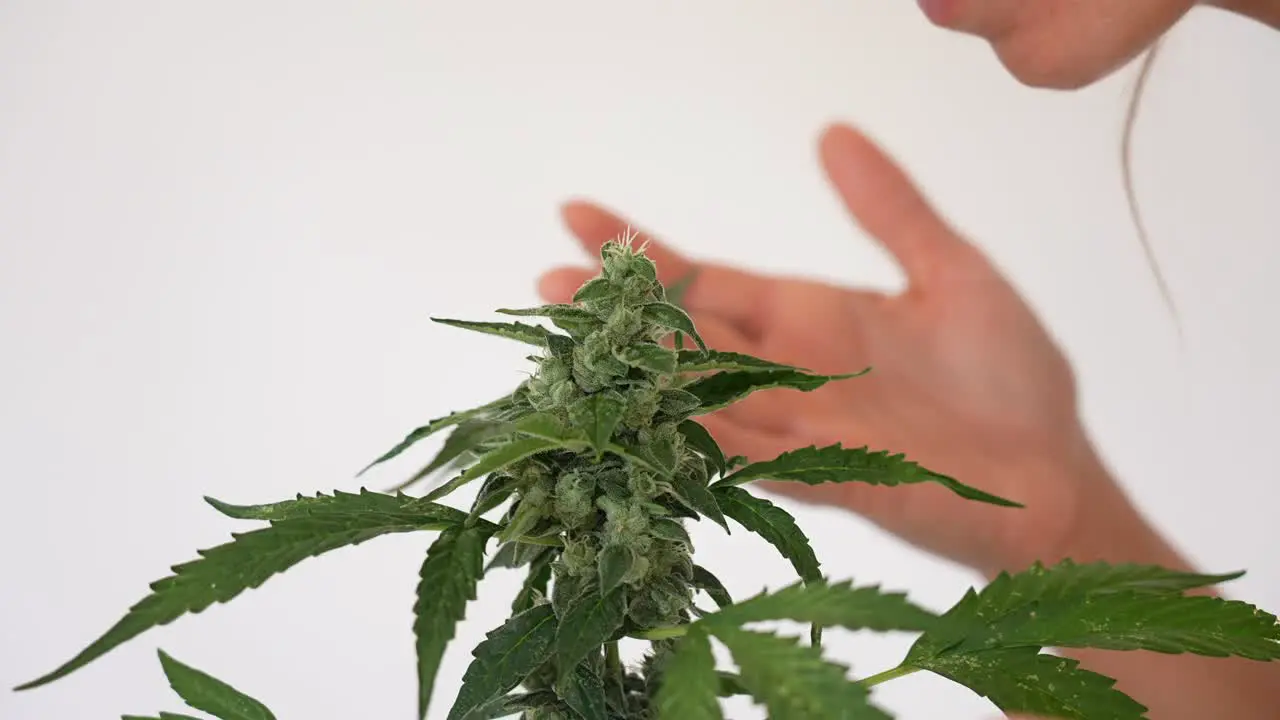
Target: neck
[[1264, 11]]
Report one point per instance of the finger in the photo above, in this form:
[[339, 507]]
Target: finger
[[561, 284], [887, 205], [755, 444], [736, 295]]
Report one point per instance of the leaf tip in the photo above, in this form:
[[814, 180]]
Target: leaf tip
[[217, 504]]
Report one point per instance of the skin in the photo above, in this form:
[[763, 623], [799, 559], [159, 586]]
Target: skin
[[966, 380], [1069, 44]]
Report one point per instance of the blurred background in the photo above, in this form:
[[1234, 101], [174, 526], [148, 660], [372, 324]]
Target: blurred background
[[223, 227]]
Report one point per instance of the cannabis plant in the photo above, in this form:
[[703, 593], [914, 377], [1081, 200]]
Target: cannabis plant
[[588, 474]]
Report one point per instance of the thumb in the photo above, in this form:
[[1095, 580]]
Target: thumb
[[887, 205]]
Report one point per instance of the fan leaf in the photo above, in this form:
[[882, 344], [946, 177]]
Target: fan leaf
[[251, 558], [447, 583], [708, 360], [205, 692], [588, 622], [793, 681], [774, 525], [1023, 680], [504, 659], [689, 682], [725, 388], [829, 604], [837, 464], [531, 334]]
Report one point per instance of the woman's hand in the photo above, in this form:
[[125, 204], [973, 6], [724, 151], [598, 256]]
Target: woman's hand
[[964, 380]]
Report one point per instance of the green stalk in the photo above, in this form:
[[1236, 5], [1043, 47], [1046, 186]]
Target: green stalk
[[888, 675], [662, 633], [613, 666]]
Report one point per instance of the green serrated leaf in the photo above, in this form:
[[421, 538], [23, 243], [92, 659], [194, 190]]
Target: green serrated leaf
[[569, 318], [1022, 680], [727, 387], [668, 529], [705, 581], [535, 583], [583, 691], [499, 458], [831, 605], [513, 704], [588, 622], [531, 334], [447, 582], [205, 692], [837, 464], [639, 457], [730, 685], [661, 452], [438, 424], [689, 682], [504, 659], [598, 288], [547, 425], [697, 437], [225, 571], [676, 403], [497, 488], [671, 317], [708, 360], [1099, 605], [432, 516], [467, 436], [516, 554], [698, 497], [614, 564], [793, 681], [648, 356], [774, 525], [598, 415]]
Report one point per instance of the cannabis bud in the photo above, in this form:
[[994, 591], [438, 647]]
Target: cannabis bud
[[600, 463]]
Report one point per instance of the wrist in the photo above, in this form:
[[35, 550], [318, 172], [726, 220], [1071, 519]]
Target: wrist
[[1096, 521]]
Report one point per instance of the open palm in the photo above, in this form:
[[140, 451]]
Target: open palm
[[964, 380]]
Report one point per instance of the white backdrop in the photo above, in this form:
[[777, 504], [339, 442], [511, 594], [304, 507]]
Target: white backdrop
[[223, 227]]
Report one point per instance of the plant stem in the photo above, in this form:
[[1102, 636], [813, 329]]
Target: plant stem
[[662, 633], [547, 540], [612, 660], [613, 666], [887, 675]]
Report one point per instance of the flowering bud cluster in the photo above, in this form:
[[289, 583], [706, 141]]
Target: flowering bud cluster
[[608, 504], [611, 501]]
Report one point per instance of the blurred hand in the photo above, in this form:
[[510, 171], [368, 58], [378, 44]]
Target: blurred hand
[[965, 381]]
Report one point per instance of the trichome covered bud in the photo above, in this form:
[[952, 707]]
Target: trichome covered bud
[[613, 507]]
